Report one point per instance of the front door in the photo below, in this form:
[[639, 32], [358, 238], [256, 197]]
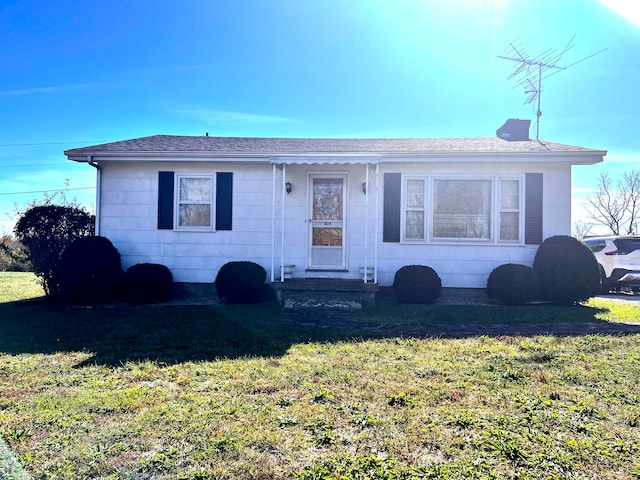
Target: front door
[[327, 224]]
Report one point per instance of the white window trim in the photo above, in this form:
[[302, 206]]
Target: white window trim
[[212, 203], [496, 185]]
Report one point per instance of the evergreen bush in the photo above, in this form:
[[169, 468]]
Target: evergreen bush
[[90, 271], [513, 284], [45, 231], [568, 270], [417, 284], [243, 282], [148, 283]]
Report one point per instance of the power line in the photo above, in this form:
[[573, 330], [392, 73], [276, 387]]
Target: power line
[[35, 165], [48, 143], [50, 190]]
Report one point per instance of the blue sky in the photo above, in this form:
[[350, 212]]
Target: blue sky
[[78, 73]]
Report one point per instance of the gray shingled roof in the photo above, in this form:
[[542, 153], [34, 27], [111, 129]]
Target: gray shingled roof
[[330, 146]]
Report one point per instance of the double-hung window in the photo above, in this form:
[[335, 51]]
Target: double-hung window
[[510, 210], [195, 196], [415, 209], [441, 209]]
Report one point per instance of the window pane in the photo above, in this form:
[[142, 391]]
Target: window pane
[[510, 192], [510, 226], [195, 190], [462, 209], [415, 194], [415, 226], [198, 215]]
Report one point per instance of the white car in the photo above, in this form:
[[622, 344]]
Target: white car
[[619, 259]]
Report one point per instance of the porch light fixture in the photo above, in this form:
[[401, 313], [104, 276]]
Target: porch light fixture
[[364, 187], [288, 187]]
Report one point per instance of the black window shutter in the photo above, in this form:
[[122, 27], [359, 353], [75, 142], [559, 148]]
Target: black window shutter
[[165, 200], [533, 209], [224, 203], [391, 207]]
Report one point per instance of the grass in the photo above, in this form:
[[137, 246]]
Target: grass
[[242, 392], [19, 286]]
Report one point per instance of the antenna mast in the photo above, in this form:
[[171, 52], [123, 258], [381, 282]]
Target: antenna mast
[[530, 71]]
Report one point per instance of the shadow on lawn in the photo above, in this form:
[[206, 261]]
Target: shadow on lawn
[[166, 334], [176, 334]]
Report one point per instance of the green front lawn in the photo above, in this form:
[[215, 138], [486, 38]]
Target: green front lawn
[[241, 392], [19, 286]]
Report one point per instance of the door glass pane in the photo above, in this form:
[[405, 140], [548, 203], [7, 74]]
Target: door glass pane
[[327, 237], [327, 199]]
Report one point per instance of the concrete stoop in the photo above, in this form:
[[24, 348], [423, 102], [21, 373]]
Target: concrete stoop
[[315, 300], [325, 293]]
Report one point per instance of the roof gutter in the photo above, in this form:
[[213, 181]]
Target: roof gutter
[[365, 157]]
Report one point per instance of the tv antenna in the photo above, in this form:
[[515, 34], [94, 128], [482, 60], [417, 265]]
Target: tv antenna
[[530, 71]]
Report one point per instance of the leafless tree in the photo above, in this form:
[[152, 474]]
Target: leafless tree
[[581, 229], [630, 187], [616, 206]]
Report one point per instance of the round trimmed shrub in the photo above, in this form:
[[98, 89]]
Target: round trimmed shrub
[[513, 284], [243, 282], [567, 269], [417, 284], [90, 271], [148, 283]]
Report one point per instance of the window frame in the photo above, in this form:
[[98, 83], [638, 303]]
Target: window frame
[[211, 202], [500, 209], [495, 205], [425, 208], [491, 222]]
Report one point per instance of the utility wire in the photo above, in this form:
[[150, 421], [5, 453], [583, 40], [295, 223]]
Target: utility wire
[[50, 190], [35, 165], [88, 142]]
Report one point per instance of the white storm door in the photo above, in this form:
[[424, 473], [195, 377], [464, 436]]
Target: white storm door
[[327, 222]]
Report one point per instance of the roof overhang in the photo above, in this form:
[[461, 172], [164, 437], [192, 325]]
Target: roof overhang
[[166, 157], [585, 157]]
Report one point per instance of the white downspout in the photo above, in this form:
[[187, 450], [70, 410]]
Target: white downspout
[[284, 180], [98, 191], [366, 223], [375, 243], [273, 224]]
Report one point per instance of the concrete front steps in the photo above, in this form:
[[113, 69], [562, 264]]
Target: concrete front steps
[[325, 293]]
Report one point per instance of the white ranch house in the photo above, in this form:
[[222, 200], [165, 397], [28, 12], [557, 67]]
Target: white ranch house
[[334, 207]]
